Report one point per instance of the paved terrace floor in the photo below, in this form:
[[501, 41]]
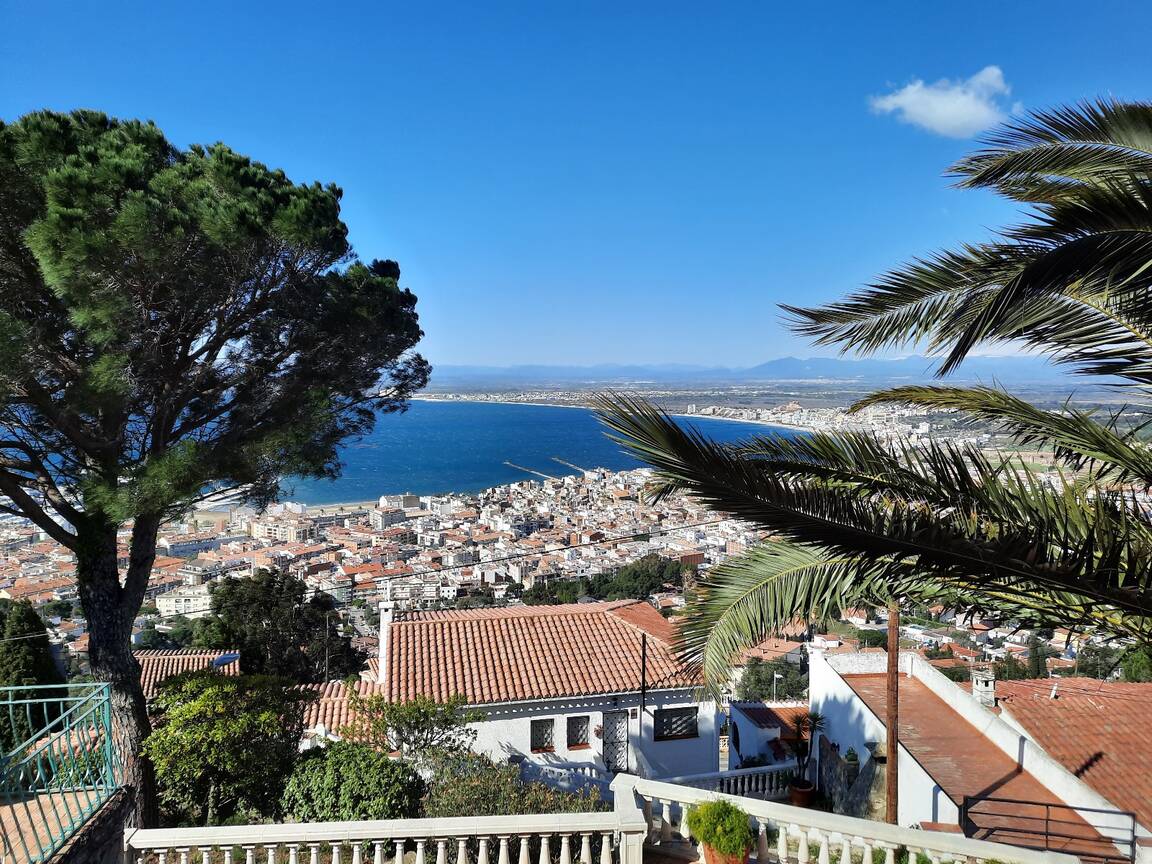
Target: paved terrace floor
[[25, 825], [963, 762]]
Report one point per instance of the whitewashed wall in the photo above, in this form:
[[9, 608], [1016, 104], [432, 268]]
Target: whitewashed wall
[[507, 733], [850, 723]]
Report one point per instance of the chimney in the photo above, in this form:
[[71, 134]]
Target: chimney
[[984, 686], [385, 640]]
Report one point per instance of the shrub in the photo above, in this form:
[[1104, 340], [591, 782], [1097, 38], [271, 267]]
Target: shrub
[[722, 826], [851, 755], [468, 784], [346, 782]]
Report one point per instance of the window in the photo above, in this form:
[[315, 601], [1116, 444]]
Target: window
[[673, 723], [578, 732], [542, 738]]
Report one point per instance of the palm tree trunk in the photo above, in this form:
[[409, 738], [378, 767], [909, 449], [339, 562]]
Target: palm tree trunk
[[892, 720]]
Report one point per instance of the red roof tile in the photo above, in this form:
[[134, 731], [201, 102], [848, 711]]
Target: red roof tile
[[1097, 730], [160, 665], [963, 762], [531, 652]]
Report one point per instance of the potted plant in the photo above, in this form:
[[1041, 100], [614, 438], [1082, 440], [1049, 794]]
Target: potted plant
[[724, 831], [801, 790]]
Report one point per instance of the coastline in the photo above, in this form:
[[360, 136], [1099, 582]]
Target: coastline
[[771, 424]]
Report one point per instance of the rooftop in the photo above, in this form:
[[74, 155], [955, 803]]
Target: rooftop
[[159, 665], [1098, 730], [531, 652], [963, 762]]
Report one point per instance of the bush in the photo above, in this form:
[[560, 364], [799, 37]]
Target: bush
[[722, 826], [346, 782], [468, 784]]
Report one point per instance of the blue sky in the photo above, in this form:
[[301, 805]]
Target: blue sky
[[597, 182]]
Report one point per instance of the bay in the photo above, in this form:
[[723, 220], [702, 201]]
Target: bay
[[437, 447]]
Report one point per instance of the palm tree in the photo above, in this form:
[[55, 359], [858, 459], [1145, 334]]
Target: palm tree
[[864, 520]]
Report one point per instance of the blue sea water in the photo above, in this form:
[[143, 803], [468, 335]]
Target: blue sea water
[[438, 447]]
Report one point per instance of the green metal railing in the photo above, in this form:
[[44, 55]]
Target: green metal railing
[[58, 765]]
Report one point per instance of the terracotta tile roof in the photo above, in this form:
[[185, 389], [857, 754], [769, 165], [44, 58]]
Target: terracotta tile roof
[[531, 652], [160, 665], [771, 649], [963, 762], [1097, 730], [331, 706]]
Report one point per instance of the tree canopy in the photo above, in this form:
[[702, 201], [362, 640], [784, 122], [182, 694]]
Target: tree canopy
[[225, 745], [345, 782], [172, 322], [280, 628], [414, 728], [25, 659]]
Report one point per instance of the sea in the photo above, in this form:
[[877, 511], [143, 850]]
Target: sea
[[437, 447]]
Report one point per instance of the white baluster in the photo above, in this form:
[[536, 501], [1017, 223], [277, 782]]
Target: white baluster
[[162, 857], [249, 855], [313, 853], [336, 849], [400, 850], [227, 855], [482, 857], [890, 855], [585, 848], [867, 850], [846, 851], [420, 851], [378, 852], [461, 850], [802, 853], [605, 848], [782, 842], [293, 853], [270, 852], [666, 821], [502, 856], [545, 852], [822, 856], [565, 849], [357, 854], [184, 854], [523, 859], [441, 851]]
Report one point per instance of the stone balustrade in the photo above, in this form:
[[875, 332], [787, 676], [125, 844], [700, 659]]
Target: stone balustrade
[[764, 782], [569, 838], [647, 814], [803, 836]]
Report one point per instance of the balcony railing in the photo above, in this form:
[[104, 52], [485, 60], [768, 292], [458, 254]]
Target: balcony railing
[[805, 836], [648, 816], [767, 782], [58, 765]]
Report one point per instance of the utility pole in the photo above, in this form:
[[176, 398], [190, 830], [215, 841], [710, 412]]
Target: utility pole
[[892, 720]]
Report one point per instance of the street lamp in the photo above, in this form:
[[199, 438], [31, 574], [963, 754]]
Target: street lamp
[[776, 676]]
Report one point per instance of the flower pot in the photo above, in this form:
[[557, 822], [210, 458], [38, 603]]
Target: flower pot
[[801, 794], [711, 856]]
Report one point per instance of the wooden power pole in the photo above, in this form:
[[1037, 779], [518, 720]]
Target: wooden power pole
[[892, 719]]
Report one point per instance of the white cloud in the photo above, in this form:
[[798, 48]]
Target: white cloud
[[956, 109]]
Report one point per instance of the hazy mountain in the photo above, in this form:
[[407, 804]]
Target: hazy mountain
[[1005, 370]]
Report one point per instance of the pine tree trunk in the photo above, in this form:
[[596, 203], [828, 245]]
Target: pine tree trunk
[[110, 653]]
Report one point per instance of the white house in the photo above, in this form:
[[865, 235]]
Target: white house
[[1010, 763], [594, 685]]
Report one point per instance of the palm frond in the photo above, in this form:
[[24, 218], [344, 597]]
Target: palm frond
[[1013, 530], [1075, 435]]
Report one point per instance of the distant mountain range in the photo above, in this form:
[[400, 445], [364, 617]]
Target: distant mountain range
[[1005, 370]]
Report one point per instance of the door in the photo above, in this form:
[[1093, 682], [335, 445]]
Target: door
[[616, 741]]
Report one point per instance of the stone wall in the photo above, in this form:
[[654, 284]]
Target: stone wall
[[855, 789], [100, 839]]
